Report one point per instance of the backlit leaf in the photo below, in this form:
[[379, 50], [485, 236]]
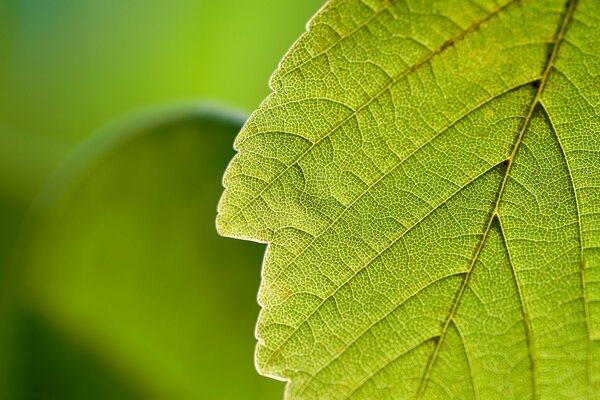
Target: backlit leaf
[[427, 176]]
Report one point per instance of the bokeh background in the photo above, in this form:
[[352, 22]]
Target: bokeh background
[[117, 119]]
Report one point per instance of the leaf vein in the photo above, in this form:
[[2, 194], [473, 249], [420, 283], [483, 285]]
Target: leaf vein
[[472, 28], [561, 30], [385, 175], [316, 309], [584, 291], [526, 321]]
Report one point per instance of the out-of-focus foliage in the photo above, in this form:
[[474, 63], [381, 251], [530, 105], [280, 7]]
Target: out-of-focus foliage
[[124, 258], [47, 364], [73, 65], [70, 67]]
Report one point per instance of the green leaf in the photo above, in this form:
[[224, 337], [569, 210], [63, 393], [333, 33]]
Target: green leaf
[[52, 365], [426, 174], [124, 260]]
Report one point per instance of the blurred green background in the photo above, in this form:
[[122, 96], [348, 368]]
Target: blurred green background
[[116, 125]]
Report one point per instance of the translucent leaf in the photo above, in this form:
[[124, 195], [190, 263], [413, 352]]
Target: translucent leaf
[[426, 174]]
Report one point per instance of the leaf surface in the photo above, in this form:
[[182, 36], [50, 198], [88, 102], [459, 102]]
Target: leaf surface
[[426, 174]]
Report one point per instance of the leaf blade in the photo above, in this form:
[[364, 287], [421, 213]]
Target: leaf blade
[[399, 150]]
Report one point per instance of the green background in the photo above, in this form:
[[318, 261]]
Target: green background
[[114, 282]]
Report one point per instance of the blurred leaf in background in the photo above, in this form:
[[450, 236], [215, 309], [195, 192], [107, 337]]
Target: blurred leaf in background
[[124, 261], [73, 65], [94, 326], [51, 365]]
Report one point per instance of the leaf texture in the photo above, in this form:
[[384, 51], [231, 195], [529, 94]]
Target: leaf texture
[[427, 176]]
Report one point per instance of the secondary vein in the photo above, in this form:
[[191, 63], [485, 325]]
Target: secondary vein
[[525, 313], [584, 288], [570, 8], [398, 165], [448, 43]]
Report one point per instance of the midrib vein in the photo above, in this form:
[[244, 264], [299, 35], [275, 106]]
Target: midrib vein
[[570, 8], [448, 43]]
